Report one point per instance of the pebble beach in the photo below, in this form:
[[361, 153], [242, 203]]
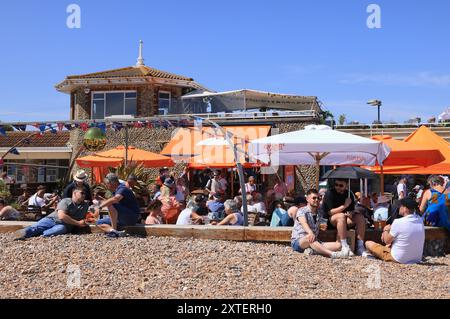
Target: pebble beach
[[93, 266]]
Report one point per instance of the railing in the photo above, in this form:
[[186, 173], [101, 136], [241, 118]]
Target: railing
[[174, 117], [387, 126]]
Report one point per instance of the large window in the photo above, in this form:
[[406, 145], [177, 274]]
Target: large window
[[106, 104], [163, 102], [51, 172]]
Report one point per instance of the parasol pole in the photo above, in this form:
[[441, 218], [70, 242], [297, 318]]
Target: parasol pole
[[318, 171], [366, 188], [318, 157], [381, 180], [361, 188], [349, 188]]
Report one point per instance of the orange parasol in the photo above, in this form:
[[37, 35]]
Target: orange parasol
[[114, 157]]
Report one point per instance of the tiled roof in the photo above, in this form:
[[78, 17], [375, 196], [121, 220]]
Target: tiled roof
[[59, 139], [141, 71]]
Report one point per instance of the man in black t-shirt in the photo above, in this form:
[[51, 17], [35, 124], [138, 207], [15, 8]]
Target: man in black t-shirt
[[341, 213]]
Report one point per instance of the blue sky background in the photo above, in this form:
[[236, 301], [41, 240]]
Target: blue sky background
[[305, 47]]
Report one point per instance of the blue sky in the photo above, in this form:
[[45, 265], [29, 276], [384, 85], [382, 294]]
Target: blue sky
[[321, 48]]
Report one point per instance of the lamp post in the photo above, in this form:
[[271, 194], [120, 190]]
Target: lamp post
[[240, 170], [376, 103]]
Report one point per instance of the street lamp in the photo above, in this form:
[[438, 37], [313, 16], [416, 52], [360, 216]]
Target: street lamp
[[376, 103], [227, 141]]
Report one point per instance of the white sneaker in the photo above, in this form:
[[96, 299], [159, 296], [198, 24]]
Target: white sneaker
[[308, 252], [340, 254], [367, 255], [361, 252], [348, 251]]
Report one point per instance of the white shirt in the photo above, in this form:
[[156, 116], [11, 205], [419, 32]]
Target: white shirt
[[36, 201], [250, 209], [401, 188], [185, 217], [409, 237], [260, 208]]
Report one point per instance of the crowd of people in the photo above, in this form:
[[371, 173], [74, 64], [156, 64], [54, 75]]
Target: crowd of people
[[169, 201]]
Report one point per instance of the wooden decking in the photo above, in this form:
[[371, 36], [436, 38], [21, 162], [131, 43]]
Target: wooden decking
[[235, 233]]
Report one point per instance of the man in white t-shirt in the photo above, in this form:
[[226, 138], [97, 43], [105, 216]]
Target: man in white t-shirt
[[401, 188], [404, 239]]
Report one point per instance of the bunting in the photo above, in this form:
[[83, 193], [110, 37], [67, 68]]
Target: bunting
[[14, 151], [54, 128], [21, 128]]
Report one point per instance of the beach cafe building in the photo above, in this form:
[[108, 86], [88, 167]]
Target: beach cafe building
[[157, 109]]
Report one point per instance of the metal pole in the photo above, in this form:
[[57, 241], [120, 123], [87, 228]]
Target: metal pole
[[379, 113], [239, 168], [126, 146]]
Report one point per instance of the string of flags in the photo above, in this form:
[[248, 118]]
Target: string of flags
[[115, 126]]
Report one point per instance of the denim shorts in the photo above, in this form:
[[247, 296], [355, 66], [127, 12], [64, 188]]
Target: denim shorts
[[295, 244]]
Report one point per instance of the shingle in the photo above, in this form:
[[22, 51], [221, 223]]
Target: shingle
[[59, 139]]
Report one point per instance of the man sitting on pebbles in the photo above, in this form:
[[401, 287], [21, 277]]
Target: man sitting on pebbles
[[8, 212], [123, 208], [306, 230], [406, 235], [70, 213]]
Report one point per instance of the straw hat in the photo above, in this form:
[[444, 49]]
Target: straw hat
[[383, 199], [80, 176]]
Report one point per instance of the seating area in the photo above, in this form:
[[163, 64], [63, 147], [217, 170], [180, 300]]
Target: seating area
[[262, 234]]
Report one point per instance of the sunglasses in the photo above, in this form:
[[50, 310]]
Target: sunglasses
[[339, 185], [315, 198]]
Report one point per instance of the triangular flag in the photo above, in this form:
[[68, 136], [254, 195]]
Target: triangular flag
[[60, 126], [14, 151], [149, 124], [138, 124], [84, 127], [117, 126], [42, 128], [20, 128], [102, 126], [52, 129], [68, 126], [2, 131]]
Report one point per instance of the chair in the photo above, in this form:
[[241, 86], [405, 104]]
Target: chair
[[389, 195], [253, 218]]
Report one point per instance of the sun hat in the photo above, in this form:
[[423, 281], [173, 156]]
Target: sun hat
[[80, 176]]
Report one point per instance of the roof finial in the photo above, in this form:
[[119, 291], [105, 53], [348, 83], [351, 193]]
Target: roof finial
[[140, 60]]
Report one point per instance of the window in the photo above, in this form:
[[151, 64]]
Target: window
[[163, 102], [113, 103], [51, 172], [16, 171]]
